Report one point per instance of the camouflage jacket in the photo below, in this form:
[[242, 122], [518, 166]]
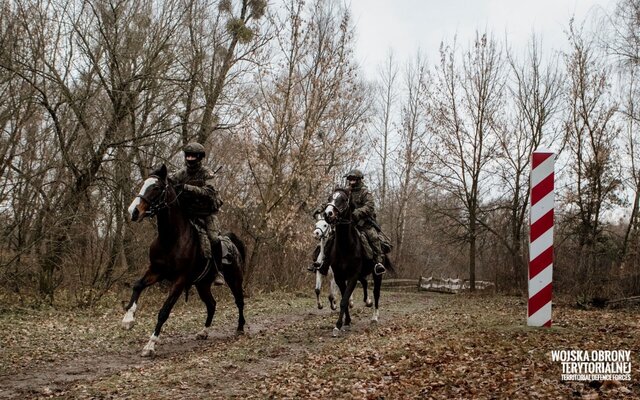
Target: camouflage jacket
[[365, 210], [199, 197]]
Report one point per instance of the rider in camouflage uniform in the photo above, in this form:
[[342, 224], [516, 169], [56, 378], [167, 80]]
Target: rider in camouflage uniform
[[194, 183], [363, 216]]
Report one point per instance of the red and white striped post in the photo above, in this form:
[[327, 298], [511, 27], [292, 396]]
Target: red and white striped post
[[541, 239]]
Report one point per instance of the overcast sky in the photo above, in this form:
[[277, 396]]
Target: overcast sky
[[408, 25]]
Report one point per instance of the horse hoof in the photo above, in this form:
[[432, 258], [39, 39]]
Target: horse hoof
[[336, 332], [351, 304], [334, 307], [148, 353], [374, 317], [320, 306], [240, 332], [127, 325], [346, 328], [368, 303], [202, 335]]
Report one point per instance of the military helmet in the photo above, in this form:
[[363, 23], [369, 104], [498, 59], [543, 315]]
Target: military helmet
[[354, 174], [194, 148]]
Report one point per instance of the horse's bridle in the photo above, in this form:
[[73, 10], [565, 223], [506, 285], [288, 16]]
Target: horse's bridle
[[323, 232], [161, 202], [339, 220]]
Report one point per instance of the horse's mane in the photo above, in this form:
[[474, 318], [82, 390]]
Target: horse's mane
[[345, 189], [159, 171]]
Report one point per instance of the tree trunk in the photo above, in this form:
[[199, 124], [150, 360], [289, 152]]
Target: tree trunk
[[472, 250]]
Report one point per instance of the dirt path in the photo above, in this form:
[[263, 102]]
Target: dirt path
[[426, 345], [280, 331]]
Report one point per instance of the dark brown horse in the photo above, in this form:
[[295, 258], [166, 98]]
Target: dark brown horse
[[347, 258], [322, 233], [175, 256]]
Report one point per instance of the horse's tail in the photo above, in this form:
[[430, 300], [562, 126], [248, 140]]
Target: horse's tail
[[240, 246], [388, 264]]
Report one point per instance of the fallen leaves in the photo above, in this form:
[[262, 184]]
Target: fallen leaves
[[492, 357], [425, 346]]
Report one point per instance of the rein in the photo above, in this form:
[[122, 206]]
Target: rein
[[161, 203], [204, 272], [339, 219]]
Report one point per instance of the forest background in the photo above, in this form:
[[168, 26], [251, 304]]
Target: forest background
[[94, 93]]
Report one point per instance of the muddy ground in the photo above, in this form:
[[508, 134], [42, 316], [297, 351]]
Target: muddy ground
[[426, 345]]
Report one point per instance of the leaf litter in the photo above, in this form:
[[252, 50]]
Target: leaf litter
[[425, 346]]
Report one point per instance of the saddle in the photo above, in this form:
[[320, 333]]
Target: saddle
[[385, 241], [227, 248]]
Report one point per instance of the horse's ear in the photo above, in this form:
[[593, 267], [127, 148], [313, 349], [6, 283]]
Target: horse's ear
[[162, 172], [159, 171]]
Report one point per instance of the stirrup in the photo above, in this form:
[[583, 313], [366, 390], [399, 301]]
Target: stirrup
[[379, 269], [313, 267], [218, 280], [324, 269]]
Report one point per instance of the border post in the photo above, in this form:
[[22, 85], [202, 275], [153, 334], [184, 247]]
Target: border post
[[541, 238]]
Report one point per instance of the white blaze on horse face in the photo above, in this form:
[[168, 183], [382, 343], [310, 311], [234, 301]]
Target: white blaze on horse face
[[330, 210], [147, 183], [321, 228]]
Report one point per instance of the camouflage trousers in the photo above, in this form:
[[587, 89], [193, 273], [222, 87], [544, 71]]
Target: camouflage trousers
[[372, 237], [374, 240], [212, 229]]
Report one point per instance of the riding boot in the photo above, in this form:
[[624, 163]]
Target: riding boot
[[374, 240], [324, 268], [216, 248], [218, 279], [315, 265]]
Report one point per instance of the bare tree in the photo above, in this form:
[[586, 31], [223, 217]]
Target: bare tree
[[414, 138], [468, 100], [536, 92], [622, 33], [386, 95], [306, 114], [76, 58], [218, 36], [622, 40], [631, 241], [590, 135]]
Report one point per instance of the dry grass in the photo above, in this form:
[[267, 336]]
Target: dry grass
[[425, 346]]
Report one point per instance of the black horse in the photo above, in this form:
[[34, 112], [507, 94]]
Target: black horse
[[175, 256], [322, 233], [347, 258]]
